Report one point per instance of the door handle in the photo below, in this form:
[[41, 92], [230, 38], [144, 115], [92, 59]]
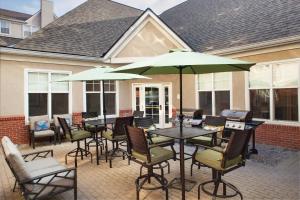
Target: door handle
[[160, 107]]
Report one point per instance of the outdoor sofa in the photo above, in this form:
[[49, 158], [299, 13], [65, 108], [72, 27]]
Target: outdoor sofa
[[38, 175]]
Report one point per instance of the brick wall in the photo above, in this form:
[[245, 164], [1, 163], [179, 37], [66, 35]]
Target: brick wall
[[124, 113], [279, 135], [14, 127], [77, 118]]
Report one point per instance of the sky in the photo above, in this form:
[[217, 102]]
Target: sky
[[63, 6]]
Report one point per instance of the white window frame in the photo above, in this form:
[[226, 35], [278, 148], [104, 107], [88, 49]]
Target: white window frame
[[213, 90], [271, 88], [31, 27], [9, 27], [49, 92], [101, 97]]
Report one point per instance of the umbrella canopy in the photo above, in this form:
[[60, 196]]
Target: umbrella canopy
[[100, 73], [190, 62]]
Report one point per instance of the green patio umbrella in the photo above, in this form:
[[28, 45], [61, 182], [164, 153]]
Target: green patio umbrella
[[184, 62], [100, 73]]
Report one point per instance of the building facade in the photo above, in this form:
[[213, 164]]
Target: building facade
[[108, 33]]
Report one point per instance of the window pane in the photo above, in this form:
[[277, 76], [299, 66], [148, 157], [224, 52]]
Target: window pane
[[93, 102], [59, 86], [4, 25], [222, 81], [27, 30], [260, 76], [260, 103], [205, 102], [285, 75], [37, 104], [37, 82], [137, 99], [286, 104], [60, 103], [205, 81], [109, 86], [93, 86], [222, 99], [110, 103], [34, 29]]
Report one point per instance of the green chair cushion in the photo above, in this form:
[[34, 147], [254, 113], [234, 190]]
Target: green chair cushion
[[109, 135], [214, 159], [158, 155], [79, 135], [161, 139], [203, 140]]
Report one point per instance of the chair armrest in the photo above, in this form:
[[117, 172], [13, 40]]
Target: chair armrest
[[53, 173], [37, 154]]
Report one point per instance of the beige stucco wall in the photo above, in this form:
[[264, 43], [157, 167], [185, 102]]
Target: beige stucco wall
[[12, 80]]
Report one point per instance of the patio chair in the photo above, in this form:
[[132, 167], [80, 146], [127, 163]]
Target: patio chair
[[59, 132], [38, 175], [116, 135], [140, 152], [75, 136], [147, 124], [92, 129], [137, 114], [222, 161], [210, 123], [40, 127], [197, 118]]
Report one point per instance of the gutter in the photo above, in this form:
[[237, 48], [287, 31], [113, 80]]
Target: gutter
[[23, 52], [256, 46]]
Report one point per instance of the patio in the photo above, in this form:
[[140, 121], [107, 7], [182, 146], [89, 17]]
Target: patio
[[272, 174]]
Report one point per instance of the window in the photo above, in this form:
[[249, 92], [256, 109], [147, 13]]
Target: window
[[214, 91], [46, 97], [93, 97], [274, 91], [4, 27], [28, 30]]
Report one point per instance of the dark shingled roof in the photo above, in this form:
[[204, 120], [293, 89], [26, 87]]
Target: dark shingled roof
[[8, 41], [14, 15], [90, 29], [219, 24]]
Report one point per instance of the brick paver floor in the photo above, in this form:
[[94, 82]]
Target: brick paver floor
[[255, 180]]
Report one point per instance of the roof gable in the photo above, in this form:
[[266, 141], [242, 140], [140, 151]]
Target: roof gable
[[148, 36], [9, 14]]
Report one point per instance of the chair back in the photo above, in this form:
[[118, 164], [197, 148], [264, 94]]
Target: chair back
[[215, 121], [198, 114], [143, 122], [66, 116], [86, 115], [34, 119], [137, 141], [120, 123], [64, 125], [237, 145], [138, 113]]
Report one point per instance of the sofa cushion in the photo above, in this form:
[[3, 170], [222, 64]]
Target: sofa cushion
[[44, 133], [41, 125], [55, 181], [15, 158], [39, 164]]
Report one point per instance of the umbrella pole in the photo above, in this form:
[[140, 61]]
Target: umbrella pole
[[104, 104], [181, 140]]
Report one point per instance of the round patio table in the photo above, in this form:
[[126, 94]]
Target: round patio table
[[186, 133], [100, 123]]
